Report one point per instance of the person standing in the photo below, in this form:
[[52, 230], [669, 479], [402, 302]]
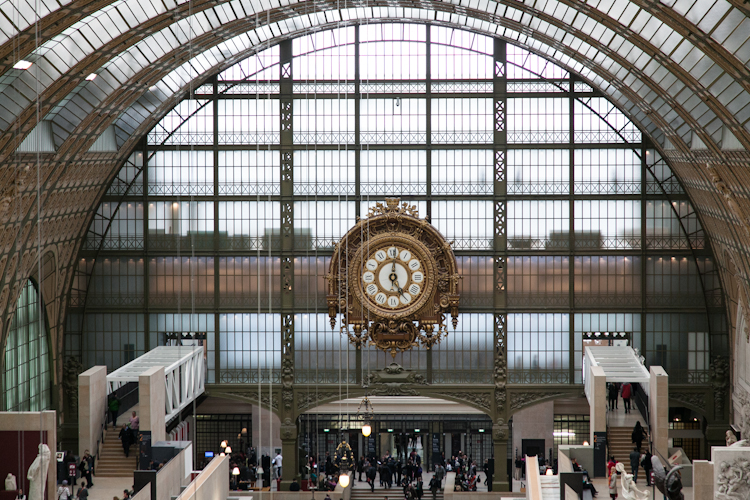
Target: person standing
[[360, 467], [125, 438], [83, 493], [277, 465], [637, 435], [85, 468], [635, 458], [63, 492], [440, 473], [435, 484], [647, 466], [134, 422], [627, 391], [611, 395], [370, 474], [611, 465], [114, 410], [612, 483]]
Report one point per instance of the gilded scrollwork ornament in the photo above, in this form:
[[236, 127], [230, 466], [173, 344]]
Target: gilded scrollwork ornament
[[392, 280]]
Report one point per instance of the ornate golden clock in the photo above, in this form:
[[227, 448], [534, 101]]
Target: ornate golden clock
[[393, 277]]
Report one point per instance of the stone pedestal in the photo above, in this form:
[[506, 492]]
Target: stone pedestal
[[598, 402], [703, 480], [152, 395], [658, 401], [92, 407]]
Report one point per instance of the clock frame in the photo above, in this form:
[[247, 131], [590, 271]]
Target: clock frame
[[367, 318]]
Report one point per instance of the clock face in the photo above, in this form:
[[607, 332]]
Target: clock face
[[393, 277]]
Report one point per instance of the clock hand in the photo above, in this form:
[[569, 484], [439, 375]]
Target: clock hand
[[400, 290]]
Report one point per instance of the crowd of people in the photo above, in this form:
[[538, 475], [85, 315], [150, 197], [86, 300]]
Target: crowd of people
[[252, 469]]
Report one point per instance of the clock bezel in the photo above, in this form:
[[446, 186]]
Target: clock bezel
[[383, 241]]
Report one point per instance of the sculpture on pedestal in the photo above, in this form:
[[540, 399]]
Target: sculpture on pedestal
[[37, 474], [629, 491], [731, 438], [733, 482], [10, 482]]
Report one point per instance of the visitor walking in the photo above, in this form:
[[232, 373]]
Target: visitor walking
[[635, 458], [611, 395], [637, 436], [134, 422], [627, 392], [114, 410], [125, 438], [63, 492]]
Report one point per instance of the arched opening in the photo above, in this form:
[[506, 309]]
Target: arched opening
[[434, 428], [26, 374]]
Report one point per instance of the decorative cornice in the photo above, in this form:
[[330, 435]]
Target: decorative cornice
[[520, 399], [477, 399], [694, 399]]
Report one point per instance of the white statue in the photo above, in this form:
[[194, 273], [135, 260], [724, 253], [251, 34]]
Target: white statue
[[629, 491], [10, 482], [37, 475], [731, 438]]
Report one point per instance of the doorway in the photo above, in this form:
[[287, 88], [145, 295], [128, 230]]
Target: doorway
[[532, 447]]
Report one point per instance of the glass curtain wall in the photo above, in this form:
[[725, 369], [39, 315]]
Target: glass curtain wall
[[27, 376], [565, 220]]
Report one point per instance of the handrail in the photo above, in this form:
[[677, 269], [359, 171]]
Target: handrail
[[641, 402], [534, 482]]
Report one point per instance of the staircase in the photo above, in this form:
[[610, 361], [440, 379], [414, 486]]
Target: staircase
[[393, 493], [112, 461], [620, 444], [550, 487]]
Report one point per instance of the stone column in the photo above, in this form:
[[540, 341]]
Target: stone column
[[598, 402], [289, 450], [92, 405], [658, 401], [152, 396], [500, 480], [703, 480]]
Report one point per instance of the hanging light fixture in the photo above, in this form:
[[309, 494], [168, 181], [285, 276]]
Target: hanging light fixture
[[224, 444], [344, 459], [366, 413], [228, 450]]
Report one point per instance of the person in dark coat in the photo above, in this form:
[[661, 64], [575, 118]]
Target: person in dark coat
[[371, 473], [435, 484], [125, 438], [647, 466], [611, 395], [635, 458], [637, 436]]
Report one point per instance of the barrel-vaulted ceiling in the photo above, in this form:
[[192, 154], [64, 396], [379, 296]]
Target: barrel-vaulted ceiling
[[679, 68]]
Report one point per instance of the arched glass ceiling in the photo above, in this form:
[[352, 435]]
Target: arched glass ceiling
[[586, 207], [639, 51]]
